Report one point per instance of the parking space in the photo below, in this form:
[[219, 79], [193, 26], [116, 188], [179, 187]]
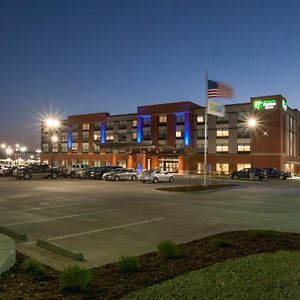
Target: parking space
[[104, 220]]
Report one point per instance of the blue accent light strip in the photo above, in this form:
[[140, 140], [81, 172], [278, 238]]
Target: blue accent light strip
[[139, 129], [69, 138], [186, 130], [102, 133]]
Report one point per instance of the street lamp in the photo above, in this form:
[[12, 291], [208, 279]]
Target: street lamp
[[9, 151], [38, 152], [3, 146], [252, 124]]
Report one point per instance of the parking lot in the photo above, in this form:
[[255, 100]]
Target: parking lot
[[104, 220]]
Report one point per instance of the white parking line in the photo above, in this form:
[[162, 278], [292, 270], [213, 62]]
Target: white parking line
[[103, 229], [58, 218], [37, 208]]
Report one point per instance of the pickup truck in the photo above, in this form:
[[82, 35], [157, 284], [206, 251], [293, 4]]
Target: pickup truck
[[36, 171]]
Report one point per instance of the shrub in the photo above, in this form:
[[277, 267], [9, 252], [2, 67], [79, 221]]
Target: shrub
[[220, 243], [33, 267], [167, 249], [128, 264], [74, 278]]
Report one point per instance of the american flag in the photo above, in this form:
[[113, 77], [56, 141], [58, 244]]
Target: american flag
[[218, 90]]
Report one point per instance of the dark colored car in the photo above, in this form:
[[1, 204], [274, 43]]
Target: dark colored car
[[259, 174], [99, 171], [275, 173], [36, 171]]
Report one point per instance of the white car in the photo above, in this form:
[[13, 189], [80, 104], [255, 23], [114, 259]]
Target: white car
[[156, 176]]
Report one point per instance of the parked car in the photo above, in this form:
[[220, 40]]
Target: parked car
[[275, 173], [71, 170], [259, 174], [85, 173], [36, 170], [156, 176], [120, 174], [99, 171]]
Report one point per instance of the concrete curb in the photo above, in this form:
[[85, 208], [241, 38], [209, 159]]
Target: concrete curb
[[7, 253], [13, 234], [60, 250]]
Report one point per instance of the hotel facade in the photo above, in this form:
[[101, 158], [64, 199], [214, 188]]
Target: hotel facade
[[171, 136]]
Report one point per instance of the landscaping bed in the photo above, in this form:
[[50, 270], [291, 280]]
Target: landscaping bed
[[195, 188], [108, 282]]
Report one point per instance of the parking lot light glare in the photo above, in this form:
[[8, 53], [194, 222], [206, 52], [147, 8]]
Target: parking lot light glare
[[252, 122], [3, 146], [52, 123], [23, 149], [54, 139]]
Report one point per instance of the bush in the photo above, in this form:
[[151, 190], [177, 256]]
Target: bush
[[74, 278], [33, 267], [220, 243], [128, 264], [167, 249]]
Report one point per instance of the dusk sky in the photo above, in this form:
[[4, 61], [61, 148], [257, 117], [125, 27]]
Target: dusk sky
[[76, 57]]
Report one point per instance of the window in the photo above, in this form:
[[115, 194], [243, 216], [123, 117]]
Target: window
[[241, 166], [96, 147], [63, 163], [96, 163], [243, 116], [74, 127], [223, 119], [122, 137], [162, 132], [178, 134], [200, 119], [222, 148], [109, 125], [134, 136], [122, 163], [179, 145], [243, 147], [134, 123], [201, 133], [222, 168], [243, 132], [109, 136], [162, 119], [200, 146], [64, 136], [74, 147], [74, 136], [180, 118], [85, 136], [85, 126], [85, 163], [146, 134], [222, 132], [85, 147], [122, 124], [74, 162], [64, 148], [146, 121], [97, 126], [45, 148], [96, 135]]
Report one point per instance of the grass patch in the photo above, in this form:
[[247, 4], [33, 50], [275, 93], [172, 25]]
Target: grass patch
[[263, 276], [128, 264], [221, 244], [33, 267], [75, 279], [167, 249]]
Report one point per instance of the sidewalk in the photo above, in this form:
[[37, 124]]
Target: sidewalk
[[7, 253]]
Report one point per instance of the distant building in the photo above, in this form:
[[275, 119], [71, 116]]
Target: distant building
[[171, 136]]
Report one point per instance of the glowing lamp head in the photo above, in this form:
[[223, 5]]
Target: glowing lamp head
[[9, 151], [54, 139], [38, 151], [52, 123], [252, 122], [23, 149], [3, 146]]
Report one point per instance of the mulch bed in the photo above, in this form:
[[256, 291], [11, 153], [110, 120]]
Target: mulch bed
[[109, 283], [195, 188]]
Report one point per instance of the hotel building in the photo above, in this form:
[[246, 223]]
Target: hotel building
[[171, 136]]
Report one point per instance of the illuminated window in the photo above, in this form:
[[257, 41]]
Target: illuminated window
[[241, 166], [134, 136], [134, 123], [45, 148], [85, 163], [96, 135], [64, 148], [244, 148], [222, 168], [64, 136], [122, 163], [222, 133], [162, 119], [85, 147], [200, 119], [96, 148], [74, 147], [75, 136], [178, 134], [86, 126], [96, 163], [222, 148], [109, 136]]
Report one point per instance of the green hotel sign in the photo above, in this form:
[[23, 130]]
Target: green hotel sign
[[284, 105], [264, 104]]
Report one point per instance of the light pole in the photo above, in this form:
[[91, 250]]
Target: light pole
[[54, 140], [23, 149], [252, 123], [52, 124], [9, 151], [38, 152]]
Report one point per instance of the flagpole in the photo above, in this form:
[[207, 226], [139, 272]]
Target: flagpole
[[205, 129]]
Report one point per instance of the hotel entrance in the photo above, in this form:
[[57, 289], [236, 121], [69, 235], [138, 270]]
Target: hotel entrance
[[169, 164]]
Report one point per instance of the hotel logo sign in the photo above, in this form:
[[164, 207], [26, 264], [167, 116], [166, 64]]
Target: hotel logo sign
[[264, 104]]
